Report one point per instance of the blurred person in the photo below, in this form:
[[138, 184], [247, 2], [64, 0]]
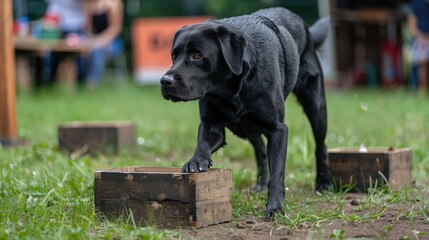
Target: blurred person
[[418, 24], [71, 22], [103, 27]]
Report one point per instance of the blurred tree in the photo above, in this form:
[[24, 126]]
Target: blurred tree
[[225, 8]]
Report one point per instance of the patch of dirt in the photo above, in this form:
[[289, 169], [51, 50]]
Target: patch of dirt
[[392, 223]]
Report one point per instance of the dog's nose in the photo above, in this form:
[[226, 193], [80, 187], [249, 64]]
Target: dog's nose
[[167, 80]]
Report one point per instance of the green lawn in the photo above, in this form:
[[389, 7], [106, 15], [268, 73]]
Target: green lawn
[[47, 194]]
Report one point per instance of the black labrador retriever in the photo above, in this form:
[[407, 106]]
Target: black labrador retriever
[[242, 69]]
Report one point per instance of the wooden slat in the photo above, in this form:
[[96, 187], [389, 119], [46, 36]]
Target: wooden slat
[[213, 211], [97, 139], [400, 160], [149, 187], [97, 192], [126, 135], [167, 213], [147, 170], [43, 46], [105, 124], [8, 122], [164, 170], [400, 169], [212, 186], [104, 137]]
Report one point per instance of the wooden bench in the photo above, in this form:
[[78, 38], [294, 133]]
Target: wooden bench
[[26, 47]]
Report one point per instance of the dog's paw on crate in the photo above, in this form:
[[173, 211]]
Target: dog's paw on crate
[[164, 196], [362, 168]]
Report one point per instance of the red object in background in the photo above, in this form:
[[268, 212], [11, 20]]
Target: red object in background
[[152, 40], [391, 64], [51, 20], [15, 27]]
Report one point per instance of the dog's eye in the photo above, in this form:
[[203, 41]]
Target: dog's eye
[[173, 56], [197, 56]]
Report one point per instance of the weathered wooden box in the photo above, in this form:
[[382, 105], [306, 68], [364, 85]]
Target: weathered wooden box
[[165, 196], [97, 137], [349, 167]]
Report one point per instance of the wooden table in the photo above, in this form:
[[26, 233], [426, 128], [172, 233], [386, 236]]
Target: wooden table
[[26, 47]]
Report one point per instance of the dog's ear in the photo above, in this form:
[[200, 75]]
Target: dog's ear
[[232, 46], [177, 33]]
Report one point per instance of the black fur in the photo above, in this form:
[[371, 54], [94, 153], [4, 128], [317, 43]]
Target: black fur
[[242, 69]]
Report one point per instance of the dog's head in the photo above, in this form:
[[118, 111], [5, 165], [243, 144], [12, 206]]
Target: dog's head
[[203, 55]]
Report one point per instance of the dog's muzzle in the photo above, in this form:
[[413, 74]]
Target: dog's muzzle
[[167, 88], [167, 81], [173, 88]]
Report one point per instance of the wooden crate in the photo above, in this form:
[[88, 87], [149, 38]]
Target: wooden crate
[[97, 137], [165, 196], [350, 167]]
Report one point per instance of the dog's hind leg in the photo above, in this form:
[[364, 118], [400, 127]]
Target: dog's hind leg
[[261, 161], [311, 95]]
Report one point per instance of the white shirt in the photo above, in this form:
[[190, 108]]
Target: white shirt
[[70, 13]]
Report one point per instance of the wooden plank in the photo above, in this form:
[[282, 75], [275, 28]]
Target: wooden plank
[[400, 160], [162, 170], [361, 170], [98, 137], [400, 169], [166, 214], [146, 170], [213, 211], [126, 135], [211, 197], [8, 122], [97, 191], [150, 187], [212, 186], [349, 166], [97, 140], [40, 47]]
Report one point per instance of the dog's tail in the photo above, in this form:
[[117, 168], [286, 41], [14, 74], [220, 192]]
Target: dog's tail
[[319, 31]]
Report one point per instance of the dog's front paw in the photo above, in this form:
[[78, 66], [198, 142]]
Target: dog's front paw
[[273, 207], [197, 164]]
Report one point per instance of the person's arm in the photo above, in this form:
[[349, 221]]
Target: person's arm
[[413, 28], [412, 25], [88, 8], [115, 18]]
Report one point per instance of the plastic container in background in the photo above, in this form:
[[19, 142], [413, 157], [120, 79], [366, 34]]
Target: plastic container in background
[[36, 29], [50, 31], [23, 26]]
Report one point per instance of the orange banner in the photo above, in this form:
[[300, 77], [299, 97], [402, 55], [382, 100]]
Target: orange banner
[[152, 39]]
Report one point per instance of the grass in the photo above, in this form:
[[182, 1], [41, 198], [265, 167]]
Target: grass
[[46, 194]]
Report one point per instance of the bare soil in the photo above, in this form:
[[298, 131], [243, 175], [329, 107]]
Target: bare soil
[[393, 223]]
